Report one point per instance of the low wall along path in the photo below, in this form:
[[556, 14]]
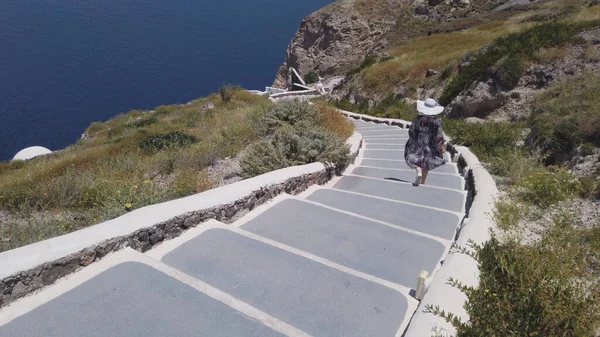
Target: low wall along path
[[337, 259]]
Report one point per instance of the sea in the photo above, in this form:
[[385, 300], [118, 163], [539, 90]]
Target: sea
[[67, 63]]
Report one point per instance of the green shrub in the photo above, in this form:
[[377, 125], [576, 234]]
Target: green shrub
[[507, 214], [311, 77], [566, 116], [160, 142], [298, 133], [488, 140], [389, 107], [143, 122], [344, 104], [294, 146], [447, 72], [566, 136], [517, 45], [527, 291], [514, 163], [546, 188], [290, 113], [165, 109], [590, 187], [262, 157], [227, 92], [368, 61], [587, 149], [509, 72]]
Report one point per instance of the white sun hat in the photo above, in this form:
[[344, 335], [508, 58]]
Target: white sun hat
[[429, 107]]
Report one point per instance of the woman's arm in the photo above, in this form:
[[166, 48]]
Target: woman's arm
[[439, 136], [411, 129]]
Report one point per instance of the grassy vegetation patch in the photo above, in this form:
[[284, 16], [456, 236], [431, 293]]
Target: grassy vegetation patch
[[176, 139], [517, 45], [143, 122], [130, 161], [412, 59], [541, 290], [389, 107], [227, 92], [567, 116], [368, 61], [494, 143], [311, 77], [144, 158], [298, 133]]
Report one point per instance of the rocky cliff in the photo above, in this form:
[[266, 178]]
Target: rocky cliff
[[337, 37]]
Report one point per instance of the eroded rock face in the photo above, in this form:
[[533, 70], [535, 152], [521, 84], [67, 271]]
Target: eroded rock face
[[336, 38], [491, 98], [478, 102]]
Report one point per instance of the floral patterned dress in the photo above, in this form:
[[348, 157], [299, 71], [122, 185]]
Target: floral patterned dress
[[423, 146]]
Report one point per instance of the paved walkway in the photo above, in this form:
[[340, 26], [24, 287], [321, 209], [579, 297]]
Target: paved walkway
[[340, 260]]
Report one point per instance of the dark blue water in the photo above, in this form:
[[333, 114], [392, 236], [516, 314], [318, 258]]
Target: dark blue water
[[67, 63]]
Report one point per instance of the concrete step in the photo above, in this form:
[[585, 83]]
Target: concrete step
[[436, 197], [387, 146], [384, 154], [132, 298], [440, 180], [383, 131], [395, 144], [364, 245], [313, 297], [401, 165], [385, 136], [375, 128], [439, 223]]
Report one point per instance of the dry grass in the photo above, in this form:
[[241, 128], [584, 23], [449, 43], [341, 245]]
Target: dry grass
[[334, 121], [107, 174], [586, 14], [412, 60], [125, 164]]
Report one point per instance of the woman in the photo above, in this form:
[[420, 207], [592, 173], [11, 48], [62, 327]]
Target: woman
[[425, 147]]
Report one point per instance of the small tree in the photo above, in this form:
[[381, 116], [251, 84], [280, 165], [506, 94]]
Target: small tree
[[311, 77], [228, 91]]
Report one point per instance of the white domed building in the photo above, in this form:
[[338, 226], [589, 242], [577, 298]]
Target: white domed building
[[31, 152]]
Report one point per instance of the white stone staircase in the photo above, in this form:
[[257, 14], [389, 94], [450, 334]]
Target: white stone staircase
[[337, 260]]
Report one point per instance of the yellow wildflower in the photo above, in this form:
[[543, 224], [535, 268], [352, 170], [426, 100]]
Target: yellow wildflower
[[128, 206], [147, 182], [134, 187], [487, 291]]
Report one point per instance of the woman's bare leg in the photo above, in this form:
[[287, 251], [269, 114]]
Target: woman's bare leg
[[425, 172], [419, 176]]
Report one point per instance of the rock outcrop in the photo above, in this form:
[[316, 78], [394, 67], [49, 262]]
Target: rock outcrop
[[336, 38], [488, 98]]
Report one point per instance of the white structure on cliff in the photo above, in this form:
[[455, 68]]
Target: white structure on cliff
[[31, 152]]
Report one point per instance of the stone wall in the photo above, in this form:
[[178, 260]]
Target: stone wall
[[29, 280], [303, 95]]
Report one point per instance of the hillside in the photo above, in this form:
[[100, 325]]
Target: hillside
[[148, 157], [521, 84]]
